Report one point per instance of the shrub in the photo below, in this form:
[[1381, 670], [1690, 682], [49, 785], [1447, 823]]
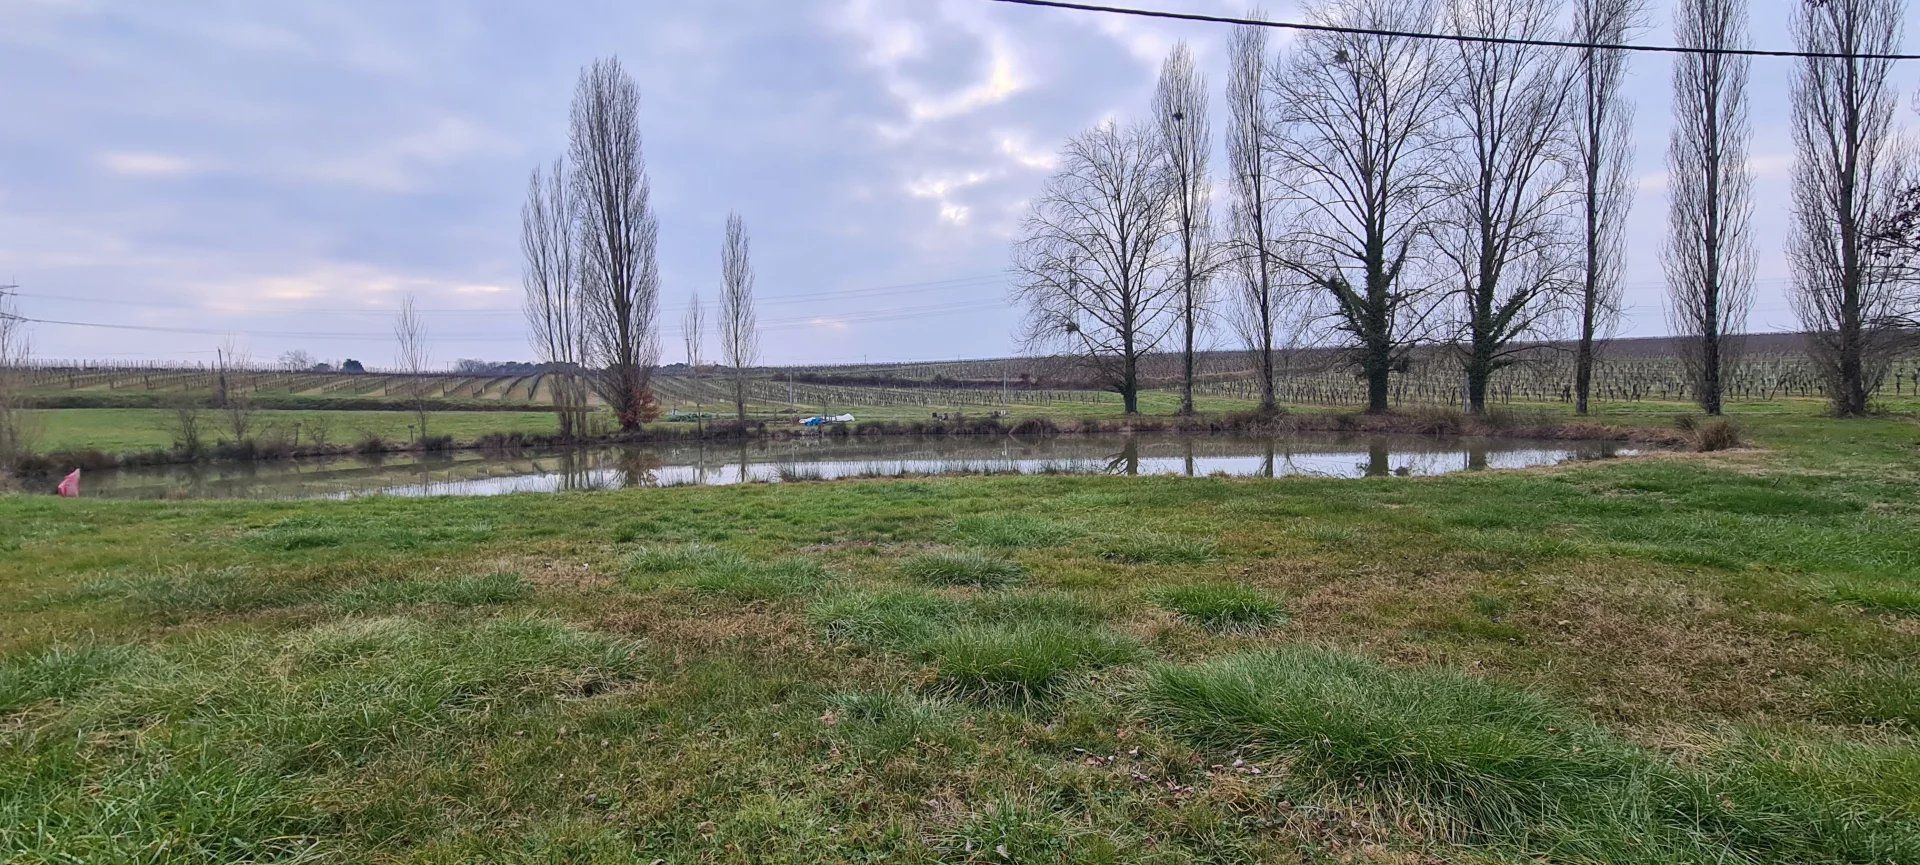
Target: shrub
[[1222, 606], [1025, 659], [1709, 433], [962, 568]]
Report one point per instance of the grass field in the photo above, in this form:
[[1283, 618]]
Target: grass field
[[1682, 658], [131, 430], [137, 430]]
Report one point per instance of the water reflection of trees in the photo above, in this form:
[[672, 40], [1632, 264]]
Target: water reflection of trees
[[732, 462], [1127, 461]]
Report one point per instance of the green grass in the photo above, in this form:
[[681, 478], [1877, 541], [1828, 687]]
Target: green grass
[[1222, 606], [961, 568], [1023, 659], [1487, 764], [1878, 692], [719, 572], [1011, 531], [1686, 658], [1152, 548], [135, 430]]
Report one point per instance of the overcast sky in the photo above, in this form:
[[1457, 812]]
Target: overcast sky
[[282, 173]]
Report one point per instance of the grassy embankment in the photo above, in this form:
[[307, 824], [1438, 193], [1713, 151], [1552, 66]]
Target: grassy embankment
[[120, 431], [1677, 659]]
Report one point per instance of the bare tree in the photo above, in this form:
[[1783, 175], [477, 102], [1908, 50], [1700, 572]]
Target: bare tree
[[1709, 255], [1092, 258], [739, 328], [1847, 179], [296, 360], [693, 332], [410, 335], [618, 239], [15, 353], [1180, 113], [233, 392], [1252, 212], [1359, 145], [555, 303], [1510, 182], [1603, 151]]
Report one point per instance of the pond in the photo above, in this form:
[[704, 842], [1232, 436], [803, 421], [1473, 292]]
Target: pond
[[480, 473]]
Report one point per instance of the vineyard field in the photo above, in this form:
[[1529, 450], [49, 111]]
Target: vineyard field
[[1632, 372]]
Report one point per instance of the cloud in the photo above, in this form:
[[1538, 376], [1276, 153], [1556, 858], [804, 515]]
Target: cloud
[[895, 43], [399, 163], [1014, 146], [943, 188], [145, 164]]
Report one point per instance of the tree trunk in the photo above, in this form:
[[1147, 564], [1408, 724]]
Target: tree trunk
[[1378, 380], [1186, 380], [1478, 375]]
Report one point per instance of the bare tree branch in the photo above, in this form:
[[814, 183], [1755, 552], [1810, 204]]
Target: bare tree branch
[[739, 328], [1093, 257], [410, 333], [618, 238], [1848, 179], [1252, 213], [693, 334], [1184, 133], [1603, 148], [1709, 255], [554, 301], [1359, 147], [1511, 185]]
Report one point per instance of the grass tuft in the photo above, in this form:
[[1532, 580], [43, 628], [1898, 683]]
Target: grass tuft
[[1879, 692], [962, 568], [463, 591], [1026, 659], [886, 722], [886, 619], [1010, 531], [714, 571], [1885, 597], [1151, 548], [1221, 606], [1481, 760]]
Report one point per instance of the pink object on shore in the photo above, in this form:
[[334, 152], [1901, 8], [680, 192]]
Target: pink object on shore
[[70, 487]]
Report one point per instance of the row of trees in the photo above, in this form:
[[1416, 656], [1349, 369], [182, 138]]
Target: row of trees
[[590, 241], [1388, 191]]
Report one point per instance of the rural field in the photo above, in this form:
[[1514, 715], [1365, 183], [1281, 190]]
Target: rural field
[[1676, 658], [135, 410]]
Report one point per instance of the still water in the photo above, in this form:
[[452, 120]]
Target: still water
[[481, 473]]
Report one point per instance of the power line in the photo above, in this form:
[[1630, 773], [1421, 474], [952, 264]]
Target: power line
[[864, 317], [866, 293], [1447, 37]]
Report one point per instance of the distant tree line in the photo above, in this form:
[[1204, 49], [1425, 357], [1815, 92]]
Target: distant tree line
[[1387, 192]]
